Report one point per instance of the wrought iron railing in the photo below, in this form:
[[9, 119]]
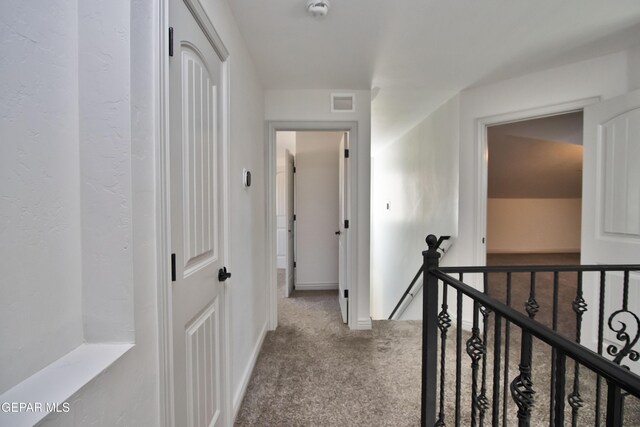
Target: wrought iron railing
[[559, 376]]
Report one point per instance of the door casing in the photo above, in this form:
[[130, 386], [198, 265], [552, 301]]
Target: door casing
[[272, 127], [482, 161]]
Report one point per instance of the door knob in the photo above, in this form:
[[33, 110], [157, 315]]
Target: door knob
[[223, 274], [338, 233]]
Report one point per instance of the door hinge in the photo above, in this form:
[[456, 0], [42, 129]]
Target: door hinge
[[170, 41], [294, 169], [294, 217], [346, 223], [483, 240], [173, 267], [346, 293], [295, 264], [346, 153]]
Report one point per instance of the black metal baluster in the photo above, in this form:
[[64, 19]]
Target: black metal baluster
[[475, 350], [507, 337], [522, 386], [458, 354], [560, 363], [496, 369], [574, 399], [531, 306], [600, 338], [483, 402], [554, 326], [444, 322], [625, 291]]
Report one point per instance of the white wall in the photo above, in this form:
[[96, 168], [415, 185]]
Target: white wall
[[605, 77], [314, 105], [40, 253], [127, 392], [316, 195], [634, 68], [417, 176], [105, 169], [533, 225], [247, 261]]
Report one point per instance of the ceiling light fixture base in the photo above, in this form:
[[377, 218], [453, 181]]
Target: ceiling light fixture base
[[318, 8]]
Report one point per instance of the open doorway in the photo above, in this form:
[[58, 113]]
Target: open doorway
[[311, 189], [534, 191]]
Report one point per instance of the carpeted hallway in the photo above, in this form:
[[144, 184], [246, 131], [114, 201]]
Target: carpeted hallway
[[314, 371]]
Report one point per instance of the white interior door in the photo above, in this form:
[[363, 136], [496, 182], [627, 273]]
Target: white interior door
[[289, 208], [611, 205], [196, 158], [342, 236]]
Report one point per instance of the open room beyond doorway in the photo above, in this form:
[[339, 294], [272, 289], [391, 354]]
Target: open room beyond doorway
[[312, 201], [534, 191]]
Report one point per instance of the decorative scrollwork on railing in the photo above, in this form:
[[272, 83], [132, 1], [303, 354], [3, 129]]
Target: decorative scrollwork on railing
[[475, 346], [579, 305], [532, 307], [483, 402], [575, 400], [444, 321], [622, 335], [522, 393]]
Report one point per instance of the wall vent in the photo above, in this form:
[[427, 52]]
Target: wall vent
[[343, 103]]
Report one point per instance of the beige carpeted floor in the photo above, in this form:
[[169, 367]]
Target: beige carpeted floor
[[314, 371]]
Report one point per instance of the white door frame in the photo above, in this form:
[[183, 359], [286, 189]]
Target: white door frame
[[352, 210], [163, 209], [482, 160]]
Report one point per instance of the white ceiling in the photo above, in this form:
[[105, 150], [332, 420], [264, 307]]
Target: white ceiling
[[421, 52]]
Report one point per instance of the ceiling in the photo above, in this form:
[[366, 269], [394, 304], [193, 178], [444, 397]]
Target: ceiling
[[539, 158], [419, 53]]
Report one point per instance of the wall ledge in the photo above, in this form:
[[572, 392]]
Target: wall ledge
[[53, 385]]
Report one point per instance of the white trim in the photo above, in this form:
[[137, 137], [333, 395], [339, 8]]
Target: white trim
[[57, 382], [163, 211], [316, 286], [363, 324], [352, 211], [246, 375], [481, 156]]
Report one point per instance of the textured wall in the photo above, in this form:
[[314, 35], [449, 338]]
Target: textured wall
[[105, 170], [417, 177], [247, 260], [40, 256]]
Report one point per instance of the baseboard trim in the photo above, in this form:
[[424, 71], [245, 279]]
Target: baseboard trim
[[316, 286], [534, 252], [364, 324], [246, 376]]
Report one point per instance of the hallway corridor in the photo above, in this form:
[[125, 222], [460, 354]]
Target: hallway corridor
[[314, 371]]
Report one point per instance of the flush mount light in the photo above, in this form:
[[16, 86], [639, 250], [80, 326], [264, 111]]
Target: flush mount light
[[318, 8]]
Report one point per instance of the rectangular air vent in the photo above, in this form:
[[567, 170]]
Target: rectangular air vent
[[343, 103]]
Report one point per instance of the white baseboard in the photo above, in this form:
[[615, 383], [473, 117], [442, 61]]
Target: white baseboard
[[316, 286], [246, 376], [364, 324]]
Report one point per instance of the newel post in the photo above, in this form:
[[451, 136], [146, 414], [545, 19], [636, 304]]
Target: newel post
[[431, 259]]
